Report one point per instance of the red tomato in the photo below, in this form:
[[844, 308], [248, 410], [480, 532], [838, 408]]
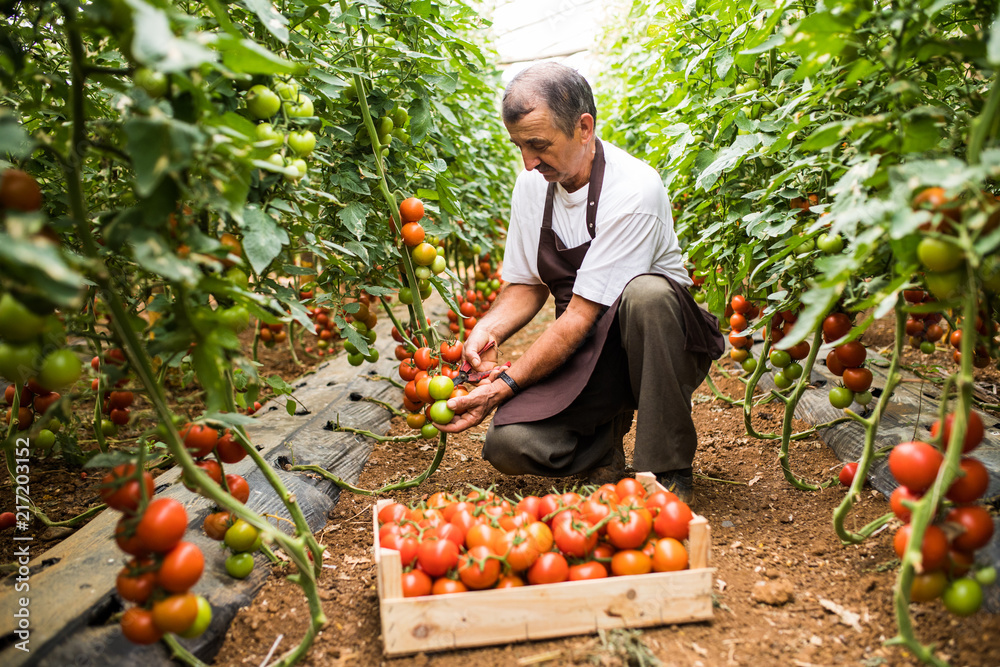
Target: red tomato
[[631, 561], [444, 586], [437, 556], [915, 465], [127, 540], [738, 322], [590, 569], [406, 545], [520, 550], [216, 525], [424, 359], [175, 613], [229, 449], [162, 525], [181, 568], [673, 520], [833, 363], [542, 535], [977, 523], [972, 483], [973, 432], [658, 500], [836, 326], [857, 379], [238, 487], [199, 439], [451, 352], [799, 351], [416, 584], [631, 531], [630, 486], [479, 568], [413, 234], [407, 370], [669, 555], [934, 550], [740, 304], [573, 539], [900, 494], [138, 627], [550, 568], [851, 354], [484, 535], [135, 586], [122, 495], [391, 513], [848, 472]]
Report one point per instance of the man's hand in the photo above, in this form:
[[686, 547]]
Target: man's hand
[[479, 338], [478, 404]]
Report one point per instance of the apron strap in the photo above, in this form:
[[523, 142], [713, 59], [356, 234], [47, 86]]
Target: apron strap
[[593, 193]]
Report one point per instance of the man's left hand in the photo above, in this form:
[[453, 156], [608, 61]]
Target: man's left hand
[[478, 404]]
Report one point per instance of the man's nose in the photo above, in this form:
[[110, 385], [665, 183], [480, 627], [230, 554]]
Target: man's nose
[[530, 159]]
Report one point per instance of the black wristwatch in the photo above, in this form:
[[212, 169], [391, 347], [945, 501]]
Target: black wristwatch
[[510, 382]]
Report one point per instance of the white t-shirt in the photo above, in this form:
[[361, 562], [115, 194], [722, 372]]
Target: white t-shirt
[[634, 229]]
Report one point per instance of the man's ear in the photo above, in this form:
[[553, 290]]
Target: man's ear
[[586, 125]]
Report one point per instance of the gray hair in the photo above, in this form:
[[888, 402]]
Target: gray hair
[[562, 89]]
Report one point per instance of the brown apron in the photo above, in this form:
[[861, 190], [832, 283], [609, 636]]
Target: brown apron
[[557, 267]]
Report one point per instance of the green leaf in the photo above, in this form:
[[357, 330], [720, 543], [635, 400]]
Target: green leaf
[[420, 120], [247, 56], [262, 238], [155, 44], [993, 46], [39, 263], [353, 216], [154, 254], [275, 23], [13, 139], [359, 341], [290, 407], [159, 147]]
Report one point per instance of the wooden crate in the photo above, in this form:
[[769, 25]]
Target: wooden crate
[[481, 618]]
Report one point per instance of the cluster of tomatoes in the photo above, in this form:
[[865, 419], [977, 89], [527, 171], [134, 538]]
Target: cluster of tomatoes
[[847, 362], [116, 403], [786, 361], [477, 298], [740, 312], [262, 104], [454, 544], [949, 545], [430, 382], [924, 329], [326, 330], [424, 250], [272, 334], [163, 568], [363, 320], [240, 537], [980, 353], [35, 401], [33, 356], [201, 441]]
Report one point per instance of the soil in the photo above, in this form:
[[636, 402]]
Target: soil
[[786, 590]]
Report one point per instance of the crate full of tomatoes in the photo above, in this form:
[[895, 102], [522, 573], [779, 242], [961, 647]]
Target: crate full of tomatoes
[[480, 569]]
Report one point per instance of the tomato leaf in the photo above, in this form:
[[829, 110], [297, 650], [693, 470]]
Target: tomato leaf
[[275, 23], [262, 238], [353, 216]]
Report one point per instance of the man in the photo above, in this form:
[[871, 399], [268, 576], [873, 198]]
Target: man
[[591, 225]]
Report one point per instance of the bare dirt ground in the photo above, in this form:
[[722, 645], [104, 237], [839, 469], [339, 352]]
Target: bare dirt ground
[[786, 591]]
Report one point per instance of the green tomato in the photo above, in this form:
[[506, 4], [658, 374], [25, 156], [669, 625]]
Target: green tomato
[[262, 102], [422, 272], [349, 347], [963, 597], [276, 160], [266, 132], [986, 576], [927, 347], [356, 359], [45, 439], [19, 363], [830, 243], [439, 265], [405, 296], [401, 135], [495, 284], [841, 397], [477, 249], [700, 297], [863, 397], [303, 143], [300, 169], [766, 161], [302, 107], [749, 365], [780, 358], [60, 369], [425, 288], [399, 117], [945, 286], [423, 254], [781, 381], [108, 428], [201, 621], [428, 431], [806, 247], [440, 413], [372, 356], [154, 83], [360, 327], [482, 286], [17, 323], [287, 90], [236, 318], [371, 336], [939, 255], [239, 565], [240, 536], [440, 387], [793, 371]]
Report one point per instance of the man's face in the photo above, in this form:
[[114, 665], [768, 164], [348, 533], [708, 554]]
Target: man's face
[[547, 149]]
